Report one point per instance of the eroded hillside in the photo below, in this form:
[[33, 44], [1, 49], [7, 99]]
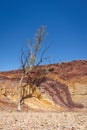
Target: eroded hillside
[[60, 87]]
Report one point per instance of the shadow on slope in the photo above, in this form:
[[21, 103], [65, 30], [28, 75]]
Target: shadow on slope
[[58, 92]]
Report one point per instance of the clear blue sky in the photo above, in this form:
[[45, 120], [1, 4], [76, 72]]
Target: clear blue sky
[[66, 22]]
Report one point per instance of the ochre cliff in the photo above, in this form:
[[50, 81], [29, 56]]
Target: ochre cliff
[[60, 87]]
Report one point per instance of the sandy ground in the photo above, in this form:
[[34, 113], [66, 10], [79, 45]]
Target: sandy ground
[[10, 120]]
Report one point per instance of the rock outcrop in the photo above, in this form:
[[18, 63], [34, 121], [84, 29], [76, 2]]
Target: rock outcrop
[[60, 87]]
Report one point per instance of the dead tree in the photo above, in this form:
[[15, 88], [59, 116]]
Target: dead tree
[[28, 61]]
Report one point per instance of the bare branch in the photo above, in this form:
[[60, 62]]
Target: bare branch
[[28, 61], [41, 58]]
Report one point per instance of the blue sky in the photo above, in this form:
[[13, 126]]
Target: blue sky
[[66, 22]]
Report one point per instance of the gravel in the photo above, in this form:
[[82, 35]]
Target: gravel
[[13, 120]]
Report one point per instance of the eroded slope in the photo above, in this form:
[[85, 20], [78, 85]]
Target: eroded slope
[[63, 87]]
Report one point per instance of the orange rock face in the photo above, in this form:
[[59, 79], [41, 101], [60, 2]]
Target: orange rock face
[[57, 87]]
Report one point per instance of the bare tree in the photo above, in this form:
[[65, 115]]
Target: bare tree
[[28, 59]]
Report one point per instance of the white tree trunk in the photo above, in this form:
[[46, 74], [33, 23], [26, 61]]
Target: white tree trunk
[[19, 94], [19, 89]]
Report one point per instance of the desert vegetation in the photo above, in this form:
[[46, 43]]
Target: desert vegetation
[[28, 63]]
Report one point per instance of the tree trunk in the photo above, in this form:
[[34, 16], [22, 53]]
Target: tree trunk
[[19, 94]]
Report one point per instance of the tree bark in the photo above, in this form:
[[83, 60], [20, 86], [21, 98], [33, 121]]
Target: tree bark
[[19, 94]]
